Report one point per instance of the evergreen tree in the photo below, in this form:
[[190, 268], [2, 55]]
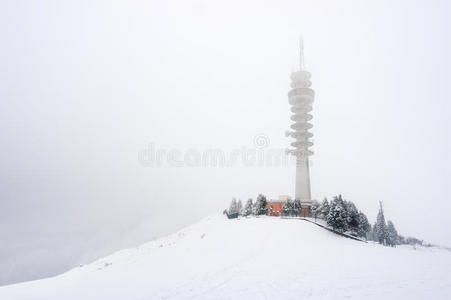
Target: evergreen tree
[[401, 240], [233, 208], [333, 215], [344, 212], [364, 228], [352, 219], [373, 233], [392, 234], [255, 208], [288, 208], [261, 205], [315, 208], [240, 207], [297, 207], [381, 226], [413, 241], [248, 208], [337, 217], [324, 211]]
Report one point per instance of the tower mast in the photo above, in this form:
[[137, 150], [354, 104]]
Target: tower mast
[[301, 53]]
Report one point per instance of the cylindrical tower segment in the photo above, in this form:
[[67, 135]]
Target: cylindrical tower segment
[[301, 97]]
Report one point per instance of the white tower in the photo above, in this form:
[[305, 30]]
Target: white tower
[[301, 98]]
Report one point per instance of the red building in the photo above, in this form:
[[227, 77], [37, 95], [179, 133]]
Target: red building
[[275, 208], [305, 212]]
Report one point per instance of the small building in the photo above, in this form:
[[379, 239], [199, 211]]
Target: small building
[[275, 207]]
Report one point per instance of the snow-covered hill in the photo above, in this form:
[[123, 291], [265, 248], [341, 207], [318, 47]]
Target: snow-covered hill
[[254, 258]]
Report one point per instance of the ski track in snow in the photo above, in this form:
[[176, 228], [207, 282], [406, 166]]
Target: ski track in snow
[[251, 258]]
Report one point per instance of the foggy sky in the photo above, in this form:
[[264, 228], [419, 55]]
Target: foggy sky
[[85, 86]]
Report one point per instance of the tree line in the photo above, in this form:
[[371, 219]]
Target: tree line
[[259, 207], [340, 214]]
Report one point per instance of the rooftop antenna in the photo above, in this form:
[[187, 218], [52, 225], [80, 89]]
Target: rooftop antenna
[[301, 53]]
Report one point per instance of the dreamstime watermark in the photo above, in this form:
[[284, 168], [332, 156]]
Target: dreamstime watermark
[[259, 155]]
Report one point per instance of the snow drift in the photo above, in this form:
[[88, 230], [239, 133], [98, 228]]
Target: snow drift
[[252, 258]]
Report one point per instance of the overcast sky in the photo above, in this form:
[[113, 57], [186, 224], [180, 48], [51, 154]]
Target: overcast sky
[[87, 86]]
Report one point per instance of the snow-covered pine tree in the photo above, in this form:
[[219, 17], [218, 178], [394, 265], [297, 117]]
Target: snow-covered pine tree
[[255, 208], [324, 209], [413, 241], [392, 234], [288, 208], [297, 209], [261, 205], [240, 207], [344, 212], [364, 226], [381, 226], [315, 209], [337, 217], [401, 240], [233, 208], [332, 215], [352, 216], [248, 208], [373, 233]]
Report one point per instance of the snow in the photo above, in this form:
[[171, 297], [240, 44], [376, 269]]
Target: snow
[[252, 258]]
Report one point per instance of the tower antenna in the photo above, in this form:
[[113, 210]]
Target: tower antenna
[[301, 53]]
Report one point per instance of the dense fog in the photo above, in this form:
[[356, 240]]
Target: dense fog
[[108, 110]]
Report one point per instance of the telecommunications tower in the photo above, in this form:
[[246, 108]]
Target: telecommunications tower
[[301, 98]]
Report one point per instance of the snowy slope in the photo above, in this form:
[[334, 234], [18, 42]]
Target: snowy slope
[[255, 258]]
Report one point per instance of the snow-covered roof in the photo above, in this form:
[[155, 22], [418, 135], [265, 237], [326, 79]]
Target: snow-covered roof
[[276, 201]]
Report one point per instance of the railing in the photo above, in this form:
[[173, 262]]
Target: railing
[[330, 229]]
